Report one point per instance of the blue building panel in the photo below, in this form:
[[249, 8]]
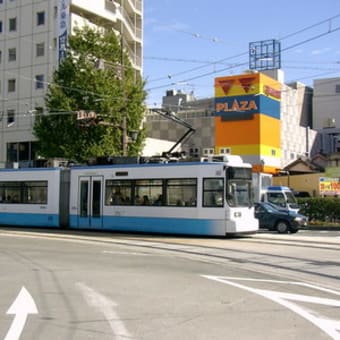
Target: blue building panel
[[243, 107]]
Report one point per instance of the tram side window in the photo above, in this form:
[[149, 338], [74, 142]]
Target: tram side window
[[149, 192], [213, 189], [181, 192], [35, 192], [118, 192], [29, 192], [156, 192]]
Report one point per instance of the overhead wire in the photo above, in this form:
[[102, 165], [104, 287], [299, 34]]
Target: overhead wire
[[330, 30], [223, 60]]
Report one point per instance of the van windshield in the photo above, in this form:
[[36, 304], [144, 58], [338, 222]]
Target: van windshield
[[290, 197], [282, 198], [276, 198]]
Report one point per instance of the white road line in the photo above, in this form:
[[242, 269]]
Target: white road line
[[107, 308], [124, 253], [330, 327]]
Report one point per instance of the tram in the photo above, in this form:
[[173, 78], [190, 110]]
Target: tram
[[34, 197], [193, 198]]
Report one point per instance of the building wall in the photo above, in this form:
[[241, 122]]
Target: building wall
[[316, 184], [326, 114], [202, 121], [326, 103], [297, 136], [125, 17], [27, 66]]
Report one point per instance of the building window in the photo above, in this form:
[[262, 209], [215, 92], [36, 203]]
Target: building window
[[0, 26], [337, 88], [40, 49], [208, 151], [55, 12], [0, 57], [21, 151], [39, 81], [225, 151], [11, 85], [12, 24], [40, 18], [10, 117], [12, 54]]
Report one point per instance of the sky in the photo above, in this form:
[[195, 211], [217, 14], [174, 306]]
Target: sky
[[188, 43]]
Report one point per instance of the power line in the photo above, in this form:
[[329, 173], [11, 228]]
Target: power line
[[330, 30]]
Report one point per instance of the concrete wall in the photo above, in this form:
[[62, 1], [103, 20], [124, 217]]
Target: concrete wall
[[309, 183]]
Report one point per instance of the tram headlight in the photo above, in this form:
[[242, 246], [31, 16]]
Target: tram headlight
[[237, 214]]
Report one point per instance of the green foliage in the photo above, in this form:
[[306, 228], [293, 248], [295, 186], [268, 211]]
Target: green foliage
[[112, 91], [326, 209]]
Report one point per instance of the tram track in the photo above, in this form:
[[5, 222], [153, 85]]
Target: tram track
[[303, 259]]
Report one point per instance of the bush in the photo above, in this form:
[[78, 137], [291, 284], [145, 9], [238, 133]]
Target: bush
[[325, 209]]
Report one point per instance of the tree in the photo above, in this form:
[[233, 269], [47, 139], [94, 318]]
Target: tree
[[96, 76]]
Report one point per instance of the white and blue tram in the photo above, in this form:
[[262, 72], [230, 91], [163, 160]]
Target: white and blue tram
[[34, 197], [193, 198]]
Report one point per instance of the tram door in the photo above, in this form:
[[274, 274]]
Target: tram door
[[90, 202]]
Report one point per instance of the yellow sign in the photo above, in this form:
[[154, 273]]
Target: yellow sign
[[329, 186]]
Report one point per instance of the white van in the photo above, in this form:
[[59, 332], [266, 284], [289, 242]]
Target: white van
[[280, 196]]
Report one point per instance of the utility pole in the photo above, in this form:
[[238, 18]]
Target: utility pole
[[125, 138]]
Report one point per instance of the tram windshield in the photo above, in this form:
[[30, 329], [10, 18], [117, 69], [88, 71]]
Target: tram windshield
[[239, 187]]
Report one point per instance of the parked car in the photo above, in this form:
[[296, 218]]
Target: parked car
[[281, 220]]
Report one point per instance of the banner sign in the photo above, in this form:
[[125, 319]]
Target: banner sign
[[63, 27], [329, 186]]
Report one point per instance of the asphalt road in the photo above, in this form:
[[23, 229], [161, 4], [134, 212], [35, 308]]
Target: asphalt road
[[112, 286]]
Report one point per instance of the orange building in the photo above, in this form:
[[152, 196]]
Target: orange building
[[247, 119]]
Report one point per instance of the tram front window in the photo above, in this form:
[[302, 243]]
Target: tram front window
[[239, 189], [239, 194]]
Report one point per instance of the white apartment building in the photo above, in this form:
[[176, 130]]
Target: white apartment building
[[31, 43]]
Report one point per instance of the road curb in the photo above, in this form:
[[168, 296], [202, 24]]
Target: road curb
[[320, 227]]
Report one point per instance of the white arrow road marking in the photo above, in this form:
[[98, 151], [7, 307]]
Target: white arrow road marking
[[330, 327], [106, 307], [21, 307]]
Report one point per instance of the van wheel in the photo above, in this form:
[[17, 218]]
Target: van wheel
[[282, 227]]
